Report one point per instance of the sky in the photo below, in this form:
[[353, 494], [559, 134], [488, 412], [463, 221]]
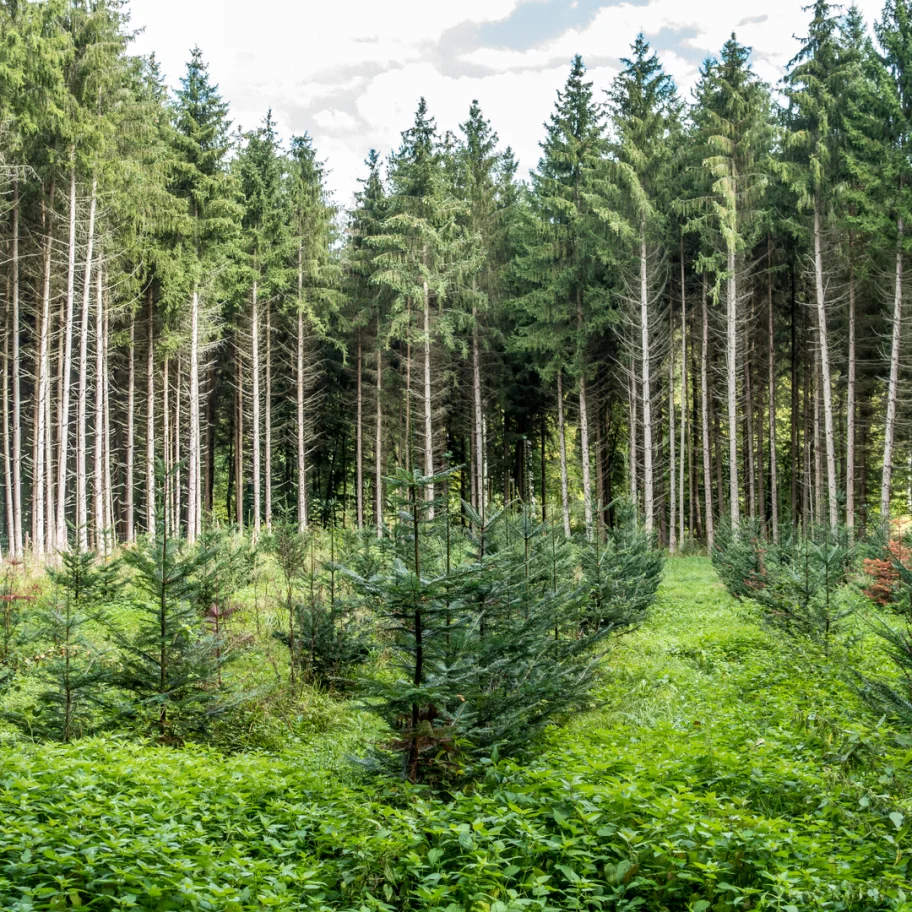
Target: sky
[[350, 72]]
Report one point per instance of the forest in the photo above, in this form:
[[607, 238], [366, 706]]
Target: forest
[[513, 537]]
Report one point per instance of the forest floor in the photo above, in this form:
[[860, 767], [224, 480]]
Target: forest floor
[[722, 767]]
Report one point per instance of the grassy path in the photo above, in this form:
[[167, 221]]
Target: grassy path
[[723, 769]]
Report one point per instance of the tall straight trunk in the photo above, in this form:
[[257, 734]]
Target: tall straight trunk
[[696, 529], [584, 448], [359, 441], [108, 487], [731, 363], [818, 453], [267, 423], [195, 462], [478, 449], [167, 481], [633, 438], [82, 520], [795, 409], [428, 404], [704, 397], [893, 387], [378, 442], [599, 475], [63, 409], [255, 410], [42, 370], [150, 410], [826, 384], [7, 456], [299, 393], [18, 541], [543, 436], [98, 474], [407, 392], [672, 455], [684, 436], [850, 403], [749, 436], [177, 487], [562, 436], [648, 485], [774, 480], [239, 437], [130, 456], [584, 426]]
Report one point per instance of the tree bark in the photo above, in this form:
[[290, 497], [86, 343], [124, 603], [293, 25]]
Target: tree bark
[[478, 448], [150, 411], [731, 359], [850, 403], [97, 490], [130, 457], [428, 403], [195, 462], [672, 456], [359, 441], [255, 411], [826, 384], [378, 442], [42, 370], [683, 401], [704, 396], [18, 541], [565, 494], [893, 387], [774, 480], [648, 486], [267, 423]]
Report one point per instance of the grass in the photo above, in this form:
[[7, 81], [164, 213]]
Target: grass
[[721, 768]]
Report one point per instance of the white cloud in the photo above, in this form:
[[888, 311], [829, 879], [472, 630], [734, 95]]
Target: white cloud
[[350, 72]]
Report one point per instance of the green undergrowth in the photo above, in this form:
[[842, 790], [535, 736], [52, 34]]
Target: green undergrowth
[[721, 768]]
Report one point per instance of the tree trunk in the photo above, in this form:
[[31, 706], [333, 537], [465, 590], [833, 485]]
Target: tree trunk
[[378, 442], [428, 404], [565, 494], [359, 442], [42, 370], [150, 412], [774, 480], [826, 384], [63, 409], [633, 437], [194, 511], [98, 474], [672, 455], [129, 525], [299, 390], [239, 437], [648, 487], [749, 435], [731, 358], [7, 456], [584, 426], [683, 402], [850, 404], [18, 540], [108, 487], [893, 387], [704, 396], [255, 415], [267, 423], [478, 448]]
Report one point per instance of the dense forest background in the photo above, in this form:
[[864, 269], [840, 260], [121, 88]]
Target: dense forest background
[[696, 303]]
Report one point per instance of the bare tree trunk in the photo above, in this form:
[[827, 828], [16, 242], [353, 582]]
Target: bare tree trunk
[[704, 395], [167, 481], [195, 469], [428, 404], [108, 488], [7, 456], [672, 456], [774, 482], [818, 454], [378, 442], [150, 412], [18, 540], [42, 370], [731, 358], [359, 441], [478, 454], [98, 490], [129, 525], [584, 428], [850, 404], [239, 441], [82, 520], [749, 435], [633, 437], [565, 494], [255, 444], [267, 467], [648, 487], [893, 388], [684, 435], [63, 412], [827, 386]]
